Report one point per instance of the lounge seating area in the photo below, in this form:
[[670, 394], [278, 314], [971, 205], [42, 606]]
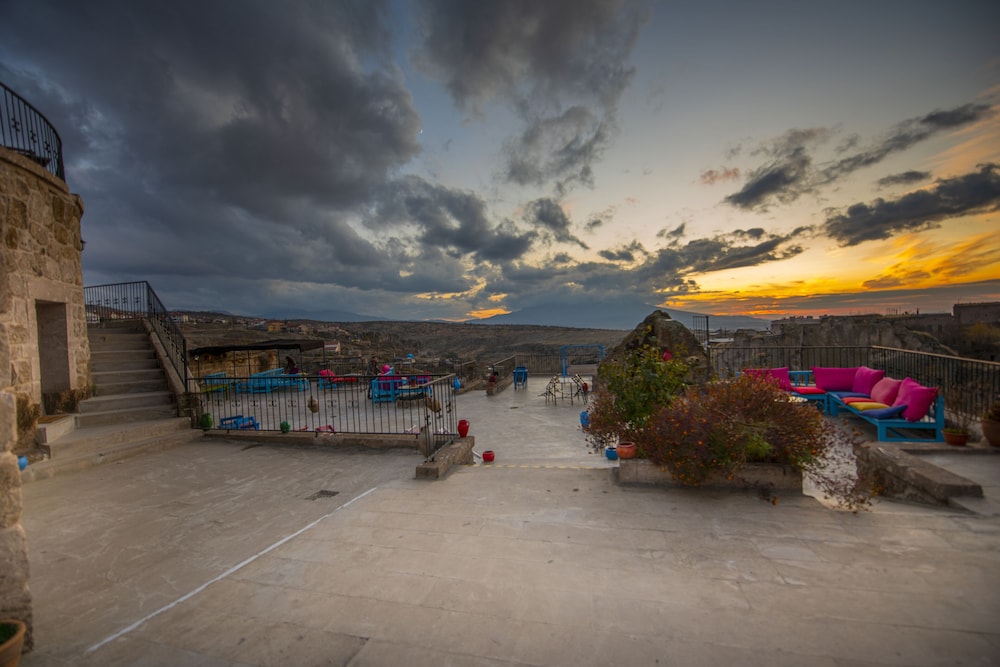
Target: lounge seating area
[[267, 381], [900, 410], [390, 388]]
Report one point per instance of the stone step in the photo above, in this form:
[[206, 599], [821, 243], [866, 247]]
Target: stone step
[[112, 355], [126, 364], [155, 383], [125, 401], [121, 416], [119, 341], [88, 447], [107, 378]]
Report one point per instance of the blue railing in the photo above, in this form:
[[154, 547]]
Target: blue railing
[[138, 301], [25, 130]]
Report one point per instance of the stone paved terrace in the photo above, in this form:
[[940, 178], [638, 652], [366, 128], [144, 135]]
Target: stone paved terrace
[[219, 552]]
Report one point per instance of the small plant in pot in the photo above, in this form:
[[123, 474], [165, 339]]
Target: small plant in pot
[[628, 393], [11, 641], [956, 400]]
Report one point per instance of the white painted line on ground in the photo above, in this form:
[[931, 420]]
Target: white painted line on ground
[[235, 568]]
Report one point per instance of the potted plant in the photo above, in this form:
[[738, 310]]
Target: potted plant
[[629, 391], [957, 399], [11, 641], [749, 432], [991, 423]]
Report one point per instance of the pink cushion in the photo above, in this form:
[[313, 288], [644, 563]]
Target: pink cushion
[[778, 374], [917, 399], [834, 379], [865, 379], [808, 390], [885, 390]]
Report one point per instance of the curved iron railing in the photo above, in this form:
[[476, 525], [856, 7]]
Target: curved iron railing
[[25, 130]]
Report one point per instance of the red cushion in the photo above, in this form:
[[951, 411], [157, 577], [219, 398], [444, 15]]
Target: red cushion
[[834, 379], [917, 399], [808, 390], [885, 390], [865, 379]]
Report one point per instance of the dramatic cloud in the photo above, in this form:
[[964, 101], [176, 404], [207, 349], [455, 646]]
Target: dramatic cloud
[[561, 65], [549, 215], [791, 171], [905, 178], [977, 192]]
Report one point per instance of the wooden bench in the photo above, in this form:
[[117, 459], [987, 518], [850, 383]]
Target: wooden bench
[[893, 430]]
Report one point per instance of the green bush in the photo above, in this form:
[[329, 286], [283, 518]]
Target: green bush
[[629, 392]]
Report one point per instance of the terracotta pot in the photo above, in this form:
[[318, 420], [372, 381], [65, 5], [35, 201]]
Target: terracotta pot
[[627, 450], [991, 431], [463, 428], [956, 439], [10, 650]]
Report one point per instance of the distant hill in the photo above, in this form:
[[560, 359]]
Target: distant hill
[[615, 315]]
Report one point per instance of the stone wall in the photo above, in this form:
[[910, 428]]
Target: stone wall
[[44, 352]]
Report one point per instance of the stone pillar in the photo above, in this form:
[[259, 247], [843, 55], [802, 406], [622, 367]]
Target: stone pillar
[[15, 598]]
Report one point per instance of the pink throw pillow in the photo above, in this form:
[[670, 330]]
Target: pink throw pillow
[[917, 399], [834, 379], [865, 379], [886, 390]]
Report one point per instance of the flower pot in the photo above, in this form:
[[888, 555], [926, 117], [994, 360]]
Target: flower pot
[[991, 431], [956, 439], [10, 650], [611, 453], [206, 422], [488, 456], [627, 450], [463, 428]]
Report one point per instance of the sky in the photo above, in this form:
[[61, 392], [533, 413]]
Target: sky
[[446, 159]]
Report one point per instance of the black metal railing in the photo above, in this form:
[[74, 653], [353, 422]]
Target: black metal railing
[[969, 386], [138, 301], [25, 130], [421, 406]]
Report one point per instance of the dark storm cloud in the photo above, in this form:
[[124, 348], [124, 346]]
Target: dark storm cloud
[[976, 192], [905, 178], [451, 219], [628, 253], [791, 172], [562, 65], [548, 214]]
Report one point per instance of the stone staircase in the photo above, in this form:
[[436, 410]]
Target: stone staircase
[[132, 412]]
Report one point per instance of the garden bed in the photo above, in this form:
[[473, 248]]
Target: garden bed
[[771, 476]]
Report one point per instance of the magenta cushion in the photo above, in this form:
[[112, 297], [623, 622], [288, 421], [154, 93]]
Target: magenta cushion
[[778, 374], [808, 390], [834, 379], [917, 399], [865, 379], [886, 390]]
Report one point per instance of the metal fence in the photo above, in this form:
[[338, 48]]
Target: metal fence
[[132, 301], [25, 130], [969, 386], [421, 406]]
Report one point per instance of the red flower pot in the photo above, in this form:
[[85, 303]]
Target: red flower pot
[[626, 450], [463, 428], [488, 456]]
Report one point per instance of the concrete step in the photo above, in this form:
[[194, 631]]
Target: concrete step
[[125, 401], [106, 378], [110, 356], [111, 417], [126, 364], [124, 341], [156, 383], [88, 447]]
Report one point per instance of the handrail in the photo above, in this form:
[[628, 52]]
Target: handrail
[[25, 130], [137, 300]]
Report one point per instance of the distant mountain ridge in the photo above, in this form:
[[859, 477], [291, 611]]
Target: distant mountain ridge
[[616, 315]]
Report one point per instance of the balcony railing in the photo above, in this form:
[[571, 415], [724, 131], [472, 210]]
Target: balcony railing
[[24, 130]]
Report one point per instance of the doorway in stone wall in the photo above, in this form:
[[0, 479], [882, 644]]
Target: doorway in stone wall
[[53, 352]]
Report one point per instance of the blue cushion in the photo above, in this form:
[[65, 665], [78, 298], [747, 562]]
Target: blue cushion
[[885, 413]]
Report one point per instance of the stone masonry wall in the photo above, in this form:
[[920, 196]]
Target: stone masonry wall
[[40, 271]]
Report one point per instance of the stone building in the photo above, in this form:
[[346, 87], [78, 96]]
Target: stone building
[[44, 350]]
